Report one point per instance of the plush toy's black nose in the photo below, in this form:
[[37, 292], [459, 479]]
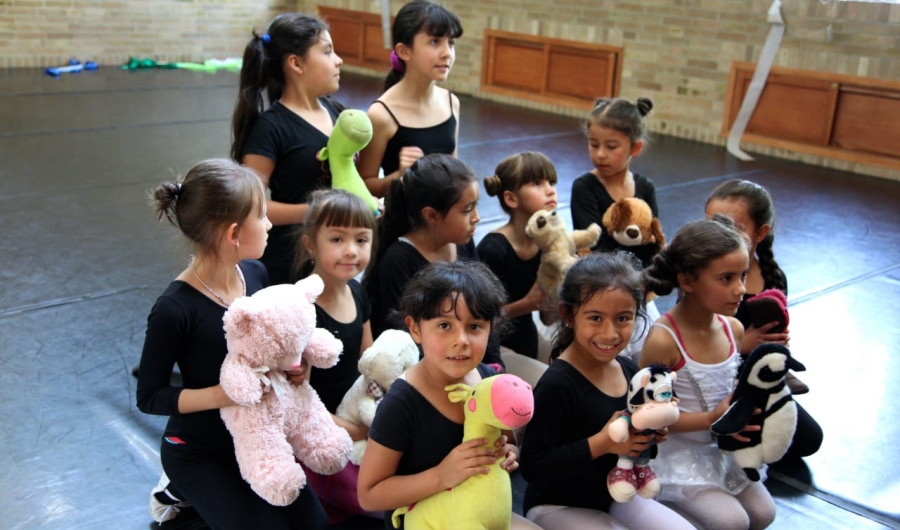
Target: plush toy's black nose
[[632, 233], [541, 222]]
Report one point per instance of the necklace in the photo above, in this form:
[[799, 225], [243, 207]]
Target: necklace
[[215, 294]]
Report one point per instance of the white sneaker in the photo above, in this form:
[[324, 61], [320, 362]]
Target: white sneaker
[[164, 506]]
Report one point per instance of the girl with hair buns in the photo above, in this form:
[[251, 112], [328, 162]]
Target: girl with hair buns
[[616, 134], [700, 339], [221, 208], [282, 119], [523, 183]]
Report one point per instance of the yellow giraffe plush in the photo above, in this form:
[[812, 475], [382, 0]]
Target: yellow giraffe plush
[[481, 502]]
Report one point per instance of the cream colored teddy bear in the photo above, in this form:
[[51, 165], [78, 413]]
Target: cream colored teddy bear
[[384, 361], [558, 247]]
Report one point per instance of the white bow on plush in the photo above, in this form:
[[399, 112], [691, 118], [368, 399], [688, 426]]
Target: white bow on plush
[[276, 380]]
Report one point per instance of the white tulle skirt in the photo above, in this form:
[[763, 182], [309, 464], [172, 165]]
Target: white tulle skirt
[[685, 467]]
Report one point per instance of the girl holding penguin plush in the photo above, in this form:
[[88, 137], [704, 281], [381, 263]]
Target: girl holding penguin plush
[[699, 339]]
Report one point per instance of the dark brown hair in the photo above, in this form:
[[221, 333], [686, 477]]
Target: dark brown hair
[[693, 248], [416, 17], [598, 271], [214, 193], [263, 69], [761, 209], [515, 171], [329, 208], [621, 115]]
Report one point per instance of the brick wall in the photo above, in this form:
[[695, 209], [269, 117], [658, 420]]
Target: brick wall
[[49, 32], [679, 52]]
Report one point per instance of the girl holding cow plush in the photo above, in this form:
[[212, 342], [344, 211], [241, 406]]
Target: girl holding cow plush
[[568, 450]]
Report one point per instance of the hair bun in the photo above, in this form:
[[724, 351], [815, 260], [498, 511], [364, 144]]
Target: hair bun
[[493, 185], [644, 106]]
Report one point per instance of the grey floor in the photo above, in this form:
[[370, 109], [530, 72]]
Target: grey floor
[[84, 259]]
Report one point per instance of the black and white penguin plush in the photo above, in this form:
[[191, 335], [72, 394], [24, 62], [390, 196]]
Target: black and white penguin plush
[[760, 386]]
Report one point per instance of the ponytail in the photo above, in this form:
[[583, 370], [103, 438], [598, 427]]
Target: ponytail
[[434, 181], [773, 276], [254, 79], [263, 70]]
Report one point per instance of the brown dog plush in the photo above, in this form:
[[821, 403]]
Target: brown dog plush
[[631, 223], [558, 247]]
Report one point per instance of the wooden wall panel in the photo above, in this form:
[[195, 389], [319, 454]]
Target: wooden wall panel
[[794, 110], [555, 71], [868, 121], [357, 37], [834, 115], [573, 73], [518, 65]]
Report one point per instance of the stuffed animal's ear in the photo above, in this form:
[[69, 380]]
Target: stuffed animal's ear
[[658, 235], [613, 216], [367, 360], [322, 155], [312, 286], [457, 393], [239, 319]]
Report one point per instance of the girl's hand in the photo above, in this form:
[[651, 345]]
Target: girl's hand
[[300, 375], [661, 435], [408, 157], [465, 460], [356, 432], [537, 298], [634, 445], [753, 337], [508, 450]]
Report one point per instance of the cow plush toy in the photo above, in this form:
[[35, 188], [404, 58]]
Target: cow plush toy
[[652, 405]]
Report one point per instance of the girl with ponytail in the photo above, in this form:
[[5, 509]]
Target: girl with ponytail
[[282, 119], [429, 216], [413, 117]]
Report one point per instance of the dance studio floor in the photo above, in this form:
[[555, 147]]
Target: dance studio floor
[[84, 260]]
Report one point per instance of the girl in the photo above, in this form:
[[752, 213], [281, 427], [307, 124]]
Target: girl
[[750, 206], [616, 134], [430, 216], [524, 183], [708, 261], [413, 117], [337, 242], [414, 448], [293, 66], [221, 208], [567, 452]]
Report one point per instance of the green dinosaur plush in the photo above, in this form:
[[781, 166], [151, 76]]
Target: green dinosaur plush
[[481, 502], [352, 132]]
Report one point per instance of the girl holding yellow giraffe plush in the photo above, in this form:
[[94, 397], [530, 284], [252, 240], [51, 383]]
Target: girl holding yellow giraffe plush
[[414, 449]]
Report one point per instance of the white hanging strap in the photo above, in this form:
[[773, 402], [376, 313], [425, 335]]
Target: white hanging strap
[[763, 65], [386, 23]]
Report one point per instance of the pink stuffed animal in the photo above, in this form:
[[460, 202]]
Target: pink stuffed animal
[[267, 334]]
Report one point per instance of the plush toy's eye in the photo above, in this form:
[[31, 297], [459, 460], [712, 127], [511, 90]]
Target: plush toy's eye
[[662, 397]]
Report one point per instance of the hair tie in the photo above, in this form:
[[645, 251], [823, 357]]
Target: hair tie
[[397, 63], [266, 38], [177, 189]]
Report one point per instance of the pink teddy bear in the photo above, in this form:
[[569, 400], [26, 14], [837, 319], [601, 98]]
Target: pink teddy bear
[[269, 333]]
